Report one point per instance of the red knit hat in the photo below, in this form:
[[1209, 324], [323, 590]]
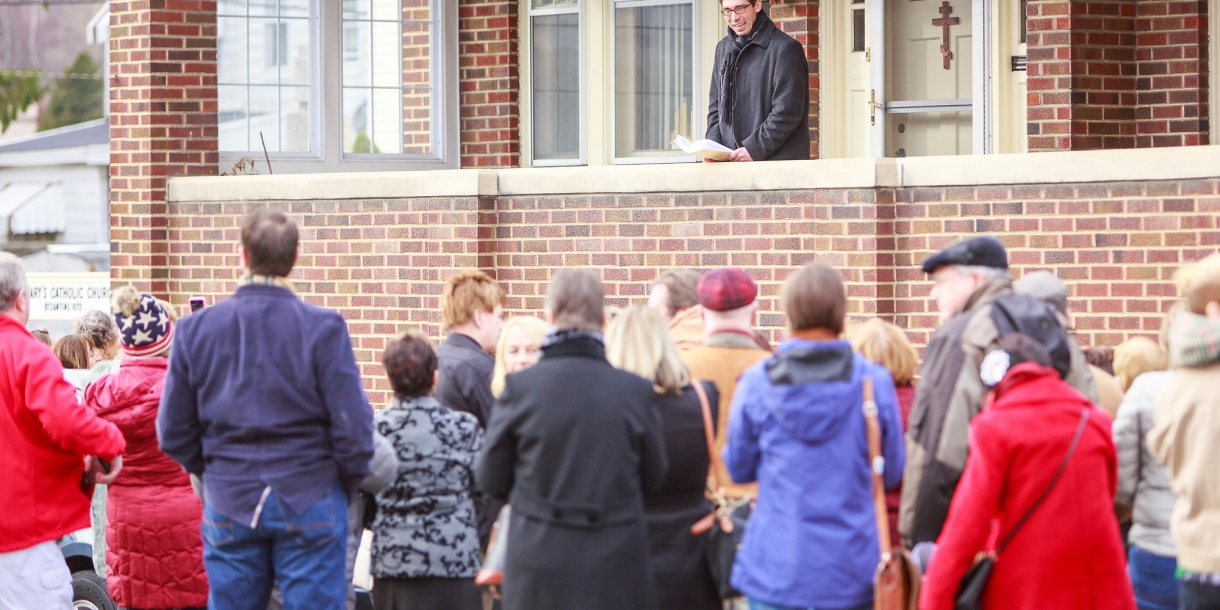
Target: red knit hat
[[726, 289]]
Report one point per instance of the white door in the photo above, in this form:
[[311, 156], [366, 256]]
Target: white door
[[925, 91]]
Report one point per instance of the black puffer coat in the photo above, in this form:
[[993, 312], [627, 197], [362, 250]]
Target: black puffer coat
[[760, 94]]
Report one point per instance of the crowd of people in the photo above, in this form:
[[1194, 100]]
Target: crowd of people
[[659, 456]]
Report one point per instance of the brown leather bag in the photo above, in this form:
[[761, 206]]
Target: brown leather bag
[[896, 582]]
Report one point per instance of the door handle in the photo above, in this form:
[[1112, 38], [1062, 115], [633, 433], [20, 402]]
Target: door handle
[[873, 105]]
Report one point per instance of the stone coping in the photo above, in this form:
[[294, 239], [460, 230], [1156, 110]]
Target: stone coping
[[1182, 163]]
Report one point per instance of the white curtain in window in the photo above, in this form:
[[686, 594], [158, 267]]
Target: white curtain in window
[[653, 77]]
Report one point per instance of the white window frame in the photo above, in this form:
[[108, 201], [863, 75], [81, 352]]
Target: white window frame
[[326, 99], [526, 95], [696, 99]]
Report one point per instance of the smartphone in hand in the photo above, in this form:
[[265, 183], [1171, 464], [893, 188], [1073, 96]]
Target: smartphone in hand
[[198, 303]]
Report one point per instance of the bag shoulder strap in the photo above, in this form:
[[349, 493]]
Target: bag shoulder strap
[[1084, 418], [876, 465], [708, 433]]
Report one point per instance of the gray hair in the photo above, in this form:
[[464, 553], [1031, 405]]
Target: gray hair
[[99, 326], [12, 280], [988, 273], [576, 300]]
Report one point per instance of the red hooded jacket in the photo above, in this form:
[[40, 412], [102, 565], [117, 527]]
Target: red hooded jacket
[[154, 551], [44, 436], [1069, 553]]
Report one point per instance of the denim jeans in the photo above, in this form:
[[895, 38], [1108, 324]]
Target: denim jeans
[[757, 605], [1198, 595], [304, 553], [1152, 577]]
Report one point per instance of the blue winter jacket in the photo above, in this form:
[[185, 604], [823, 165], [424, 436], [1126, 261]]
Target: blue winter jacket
[[797, 427]]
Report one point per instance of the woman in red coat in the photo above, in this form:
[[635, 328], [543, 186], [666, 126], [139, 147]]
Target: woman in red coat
[[154, 552], [1068, 554]]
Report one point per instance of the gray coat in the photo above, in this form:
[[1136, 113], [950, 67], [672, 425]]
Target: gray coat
[[760, 99], [1143, 482]]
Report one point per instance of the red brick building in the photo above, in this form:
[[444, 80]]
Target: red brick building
[[506, 94]]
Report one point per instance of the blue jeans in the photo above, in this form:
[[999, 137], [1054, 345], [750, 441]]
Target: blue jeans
[[304, 553], [757, 605], [1152, 577]]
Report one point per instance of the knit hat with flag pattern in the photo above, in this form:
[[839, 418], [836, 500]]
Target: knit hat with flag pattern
[[145, 328]]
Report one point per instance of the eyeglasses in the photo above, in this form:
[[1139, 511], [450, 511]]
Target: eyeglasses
[[740, 10]]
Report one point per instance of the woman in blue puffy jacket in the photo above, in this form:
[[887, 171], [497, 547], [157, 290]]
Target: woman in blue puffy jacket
[[797, 427]]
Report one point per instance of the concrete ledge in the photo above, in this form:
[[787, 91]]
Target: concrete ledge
[[1185, 163], [308, 187]]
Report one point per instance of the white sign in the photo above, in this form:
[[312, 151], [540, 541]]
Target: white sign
[[65, 296]]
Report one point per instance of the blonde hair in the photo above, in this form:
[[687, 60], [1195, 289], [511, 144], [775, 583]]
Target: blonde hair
[[1199, 283], [536, 329], [1137, 356], [469, 291], [638, 341], [887, 345]]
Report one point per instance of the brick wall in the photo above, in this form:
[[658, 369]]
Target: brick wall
[[489, 84], [382, 263], [162, 124], [799, 19], [1109, 74], [1173, 71]]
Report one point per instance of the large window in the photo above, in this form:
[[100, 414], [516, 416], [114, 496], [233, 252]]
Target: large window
[[334, 85], [387, 77], [611, 81], [555, 81], [653, 76], [264, 79]]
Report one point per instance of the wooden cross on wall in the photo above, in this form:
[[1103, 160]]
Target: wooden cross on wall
[[944, 22]]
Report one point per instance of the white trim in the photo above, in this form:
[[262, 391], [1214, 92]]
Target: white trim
[[1073, 167], [981, 87], [928, 106], [876, 37]]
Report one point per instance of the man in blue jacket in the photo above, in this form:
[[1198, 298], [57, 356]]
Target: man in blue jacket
[[263, 401]]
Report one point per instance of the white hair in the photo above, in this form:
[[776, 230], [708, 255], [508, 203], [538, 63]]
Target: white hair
[[987, 273], [12, 280]]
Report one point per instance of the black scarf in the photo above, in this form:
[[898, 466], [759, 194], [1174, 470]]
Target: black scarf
[[728, 74]]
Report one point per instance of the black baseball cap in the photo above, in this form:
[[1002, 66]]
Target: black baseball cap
[[981, 251]]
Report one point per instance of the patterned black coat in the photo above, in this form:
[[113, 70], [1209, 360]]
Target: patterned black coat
[[573, 444], [425, 523]]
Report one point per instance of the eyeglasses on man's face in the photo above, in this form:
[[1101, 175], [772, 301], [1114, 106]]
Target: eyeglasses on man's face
[[739, 10]]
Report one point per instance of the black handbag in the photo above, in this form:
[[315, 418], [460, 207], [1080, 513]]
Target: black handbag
[[726, 524], [974, 583]]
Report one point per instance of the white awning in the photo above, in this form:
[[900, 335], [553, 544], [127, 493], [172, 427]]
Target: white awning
[[28, 207]]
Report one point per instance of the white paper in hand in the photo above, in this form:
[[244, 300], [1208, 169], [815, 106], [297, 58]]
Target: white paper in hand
[[708, 149]]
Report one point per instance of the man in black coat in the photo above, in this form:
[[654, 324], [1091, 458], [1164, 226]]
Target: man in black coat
[[573, 445], [759, 102]]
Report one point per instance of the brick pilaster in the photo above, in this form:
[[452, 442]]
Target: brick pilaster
[[1173, 73], [489, 83], [1049, 71], [162, 124], [1081, 86], [799, 19]]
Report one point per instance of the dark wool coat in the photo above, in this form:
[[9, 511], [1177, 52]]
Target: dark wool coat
[[573, 444], [765, 105], [679, 560]]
